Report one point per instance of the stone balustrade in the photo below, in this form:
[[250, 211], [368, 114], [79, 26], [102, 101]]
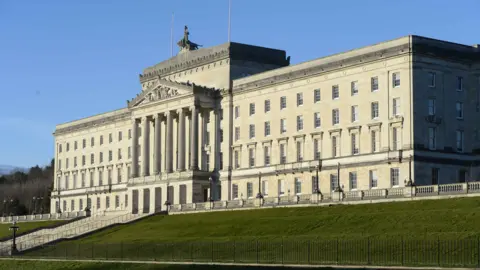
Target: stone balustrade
[[43, 217]]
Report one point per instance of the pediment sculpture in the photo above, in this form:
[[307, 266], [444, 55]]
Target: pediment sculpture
[[162, 93]]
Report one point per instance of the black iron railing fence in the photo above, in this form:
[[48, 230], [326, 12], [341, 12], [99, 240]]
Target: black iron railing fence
[[394, 252]]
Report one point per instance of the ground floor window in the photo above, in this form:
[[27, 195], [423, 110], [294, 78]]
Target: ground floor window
[[235, 191]]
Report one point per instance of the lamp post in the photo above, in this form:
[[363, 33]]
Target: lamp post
[[259, 194], [14, 228], [11, 204], [58, 208]]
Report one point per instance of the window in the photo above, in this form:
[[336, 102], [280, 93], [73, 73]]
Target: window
[[251, 157], [431, 107], [459, 109], [281, 187], [59, 148], [267, 128], [74, 181], [266, 155], [83, 180], [396, 79], [283, 103], [119, 175], [235, 191], [75, 146], [374, 110], [299, 99], [265, 188], [81, 205], [316, 95], [59, 164], [316, 120], [251, 131], [64, 206], [107, 202], [237, 133], [283, 156], [299, 151], [394, 177], [236, 160], [126, 200], [68, 147], [333, 182], [354, 87], [92, 141], [84, 143], [459, 83], [101, 139], [373, 178], [335, 92], [75, 162], [119, 154], [352, 176], [129, 152], [120, 136], [110, 138], [267, 105], [299, 122], [101, 157], [460, 140], [334, 146], [66, 164], [374, 84], [316, 150], [98, 202], [431, 79], [100, 178], [395, 139], [335, 117], [432, 138], [110, 155], [249, 190], [92, 178], [117, 201], [66, 182], [128, 172], [283, 125], [354, 113], [72, 205], [355, 149], [298, 186], [314, 184], [252, 109], [237, 112], [396, 107], [83, 160]]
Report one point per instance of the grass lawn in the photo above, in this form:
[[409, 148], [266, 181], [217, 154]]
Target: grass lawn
[[25, 226], [42, 265]]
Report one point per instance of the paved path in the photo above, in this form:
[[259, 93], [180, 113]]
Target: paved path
[[351, 267]]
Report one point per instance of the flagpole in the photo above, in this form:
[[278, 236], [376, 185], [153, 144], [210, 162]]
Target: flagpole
[[229, 18]]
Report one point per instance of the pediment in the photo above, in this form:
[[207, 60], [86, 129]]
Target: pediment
[[161, 90]]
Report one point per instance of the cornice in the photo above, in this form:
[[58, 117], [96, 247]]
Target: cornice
[[93, 123]]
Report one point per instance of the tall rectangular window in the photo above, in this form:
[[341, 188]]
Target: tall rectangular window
[[374, 140], [100, 178], [249, 190], [354, 113], [120, 136], [355, 149], [431, 79], [83, 179], [395, 139], [251, 131], [267, 105], [394, 177], [432, 138], [283, 154], [335, 117], [283, 126], [92, 158], [354, 88], [374, 84], [459, 143], [281, 187], [74, 181], [251, 157], [373, 178], [75, 162], [459, 110], [267, 129], [237, 112], [236, 159], [334, 146], [92, 141], [353, 180], [129, 134], [235, 191], [333, 182], [110, 155], [283, 103], [101, 139], [265, 188], [266, 155], [314, 184], [316, 149], [119, 153], [396, 79], [431, 107], [335, 92], [252, 109], [299, 99], [84, 143], [101, 157], [92, 178], [129, 152], [316, 95], [298, 186], [396, 107], [110, 138], [119, 175], [299, 151], [66, 163], [75, 146], [459, 83], [374, 110], [316, 120], [299, 122], [237, 133]]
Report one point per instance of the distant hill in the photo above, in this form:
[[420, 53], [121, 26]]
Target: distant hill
[[7, 169]]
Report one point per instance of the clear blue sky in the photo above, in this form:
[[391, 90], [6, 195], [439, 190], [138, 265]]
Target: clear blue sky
[[65, 60]]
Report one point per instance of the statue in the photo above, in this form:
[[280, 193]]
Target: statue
[[186, 44]]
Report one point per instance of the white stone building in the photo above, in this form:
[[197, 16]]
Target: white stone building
[[233, 120]]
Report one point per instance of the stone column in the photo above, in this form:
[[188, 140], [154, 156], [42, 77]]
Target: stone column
[[134, 170], [169, 145], [181, 140], [194, 139], [145, 150], [157, 145], [216, 140]]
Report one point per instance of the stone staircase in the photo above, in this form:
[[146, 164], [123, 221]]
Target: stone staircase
[[67, 231]]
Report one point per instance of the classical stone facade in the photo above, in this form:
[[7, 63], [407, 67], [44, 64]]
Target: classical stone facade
[[236, 121]]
